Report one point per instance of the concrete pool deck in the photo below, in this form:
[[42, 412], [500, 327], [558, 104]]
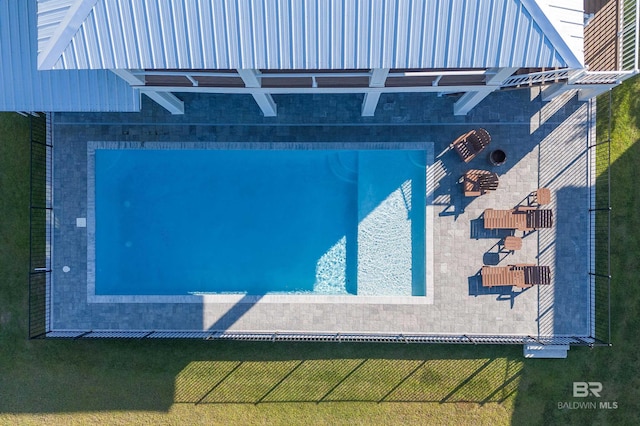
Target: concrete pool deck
[[546, 145]]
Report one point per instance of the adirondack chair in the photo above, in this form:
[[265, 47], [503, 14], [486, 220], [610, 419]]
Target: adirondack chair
[[479, 182], [469, 145]]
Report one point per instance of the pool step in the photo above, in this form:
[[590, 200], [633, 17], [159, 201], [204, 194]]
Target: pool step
[[386, 239], [344, 166]]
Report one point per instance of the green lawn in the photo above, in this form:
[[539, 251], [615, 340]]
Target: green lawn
[[196, 382]]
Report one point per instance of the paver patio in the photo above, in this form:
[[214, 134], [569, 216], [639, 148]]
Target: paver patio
[[546, 146]]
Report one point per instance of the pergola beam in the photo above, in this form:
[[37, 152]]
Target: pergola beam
[[377, 79], [312, 90], [166, 99], [495, 78], [266, 104], [251, 78], [469, 100], [370, 103]]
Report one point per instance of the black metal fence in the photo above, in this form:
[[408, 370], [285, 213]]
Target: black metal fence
[[41, 214], [40, 233], [600, 225]]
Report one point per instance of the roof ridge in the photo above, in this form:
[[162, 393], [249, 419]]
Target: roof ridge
[[67, 28], [551, 32]]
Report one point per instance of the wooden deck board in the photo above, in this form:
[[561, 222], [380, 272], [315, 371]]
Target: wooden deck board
[[601, 44]]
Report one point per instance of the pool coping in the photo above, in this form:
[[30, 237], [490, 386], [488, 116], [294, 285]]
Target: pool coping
[[237, 298]]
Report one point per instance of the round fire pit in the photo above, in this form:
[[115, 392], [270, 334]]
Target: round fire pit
[[497, 157]]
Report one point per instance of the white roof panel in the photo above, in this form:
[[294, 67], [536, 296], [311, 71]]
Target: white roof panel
[[50, 14], [562, 21], [314, 34], [24, 88]]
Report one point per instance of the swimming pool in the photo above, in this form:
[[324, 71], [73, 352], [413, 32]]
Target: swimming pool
[[256, 222]]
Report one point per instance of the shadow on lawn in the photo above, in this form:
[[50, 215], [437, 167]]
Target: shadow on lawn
[[408, 377], [154, 375]]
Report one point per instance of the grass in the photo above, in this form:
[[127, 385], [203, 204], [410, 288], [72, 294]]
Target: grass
[[14, 226], [196, 382], [617, 368]]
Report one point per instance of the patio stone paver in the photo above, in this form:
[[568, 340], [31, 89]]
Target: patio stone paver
[[545, 146]]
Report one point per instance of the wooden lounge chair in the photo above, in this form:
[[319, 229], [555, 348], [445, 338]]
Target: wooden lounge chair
[[522, 276], [479, 182], [520, 218], [471, 144]]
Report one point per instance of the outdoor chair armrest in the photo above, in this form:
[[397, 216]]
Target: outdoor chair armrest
[[521, 208]]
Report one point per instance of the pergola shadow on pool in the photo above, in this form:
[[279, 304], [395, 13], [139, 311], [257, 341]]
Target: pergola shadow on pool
[[555, 148]]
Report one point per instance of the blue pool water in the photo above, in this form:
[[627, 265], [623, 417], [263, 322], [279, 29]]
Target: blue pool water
[[176, 222]]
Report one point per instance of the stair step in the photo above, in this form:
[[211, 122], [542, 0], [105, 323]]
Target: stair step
[[546, 351]]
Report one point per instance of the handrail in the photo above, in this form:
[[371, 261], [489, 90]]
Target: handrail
[[602, 77], [537, 77], [629, 35], [327, 337], [637, 38]]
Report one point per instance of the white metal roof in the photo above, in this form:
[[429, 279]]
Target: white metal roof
[[308, 34], [562, 21], [24, 88]]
